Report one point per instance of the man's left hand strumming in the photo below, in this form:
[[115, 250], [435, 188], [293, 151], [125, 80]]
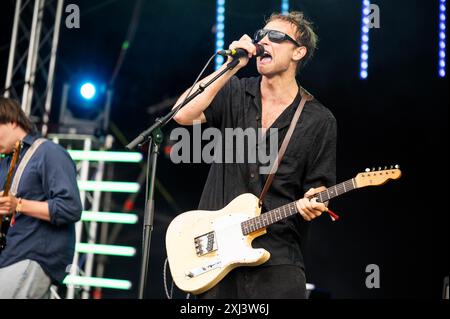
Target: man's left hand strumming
[[310, 208]]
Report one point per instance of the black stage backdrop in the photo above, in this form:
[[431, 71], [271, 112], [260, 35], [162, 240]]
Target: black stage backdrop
[[399, 115]]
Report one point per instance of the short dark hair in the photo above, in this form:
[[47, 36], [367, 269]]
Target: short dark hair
[[10, 112], [305, 34]]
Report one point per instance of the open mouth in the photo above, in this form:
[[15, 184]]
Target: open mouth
[[266, 58]]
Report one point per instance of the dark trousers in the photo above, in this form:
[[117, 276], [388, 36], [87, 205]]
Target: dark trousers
[[262, 282]]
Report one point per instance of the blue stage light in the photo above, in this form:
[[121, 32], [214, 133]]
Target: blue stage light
[[219, 60], [442, 39], [284, 6], [364, 56], [88, 91], [363, 74], [220, 33]]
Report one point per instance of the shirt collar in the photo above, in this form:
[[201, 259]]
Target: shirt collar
[[253, 86], [30, 138], [254, 89], [27, 141]]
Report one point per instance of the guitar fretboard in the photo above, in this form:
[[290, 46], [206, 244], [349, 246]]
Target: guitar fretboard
[[277, 214]]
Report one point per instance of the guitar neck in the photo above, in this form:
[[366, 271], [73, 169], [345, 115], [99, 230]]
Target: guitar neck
[[12, 166], [277, 214]]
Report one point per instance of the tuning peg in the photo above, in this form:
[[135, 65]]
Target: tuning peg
[[397, 166], [379, 168], [392, 166], [367, 169], [373, 169], [385, 168]]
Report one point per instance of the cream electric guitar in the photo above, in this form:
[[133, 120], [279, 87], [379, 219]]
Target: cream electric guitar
[[204, 246]]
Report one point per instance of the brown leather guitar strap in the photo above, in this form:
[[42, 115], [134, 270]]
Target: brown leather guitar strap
[[305, 96]]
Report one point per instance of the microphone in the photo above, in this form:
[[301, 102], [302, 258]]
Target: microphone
[[238, 52]]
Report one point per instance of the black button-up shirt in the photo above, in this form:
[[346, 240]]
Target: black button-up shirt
[[49, 176], [309, 161]]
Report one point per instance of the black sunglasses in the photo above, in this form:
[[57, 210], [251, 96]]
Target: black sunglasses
[[274, 36]]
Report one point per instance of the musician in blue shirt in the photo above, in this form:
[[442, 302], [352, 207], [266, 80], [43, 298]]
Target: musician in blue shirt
[[41, 242]]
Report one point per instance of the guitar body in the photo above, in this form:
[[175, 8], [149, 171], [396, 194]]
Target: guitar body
[[204, 246]]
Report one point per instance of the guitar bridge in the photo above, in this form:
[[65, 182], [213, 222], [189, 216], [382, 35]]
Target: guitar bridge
[[205, 244]]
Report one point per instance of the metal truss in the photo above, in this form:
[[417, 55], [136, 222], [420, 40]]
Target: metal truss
[[32, 57]]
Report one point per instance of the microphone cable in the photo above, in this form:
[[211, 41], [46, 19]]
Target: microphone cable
[[169, 295], [192, 87]]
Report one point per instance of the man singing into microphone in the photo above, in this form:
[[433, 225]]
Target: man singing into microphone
[[270, 101]]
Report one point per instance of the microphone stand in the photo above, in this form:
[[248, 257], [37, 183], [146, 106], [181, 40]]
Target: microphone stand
[[154, 136]]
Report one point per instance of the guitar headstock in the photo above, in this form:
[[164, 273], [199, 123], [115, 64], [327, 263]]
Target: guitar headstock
[[372, 177]]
